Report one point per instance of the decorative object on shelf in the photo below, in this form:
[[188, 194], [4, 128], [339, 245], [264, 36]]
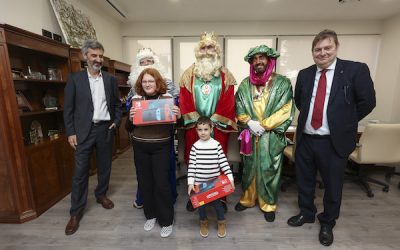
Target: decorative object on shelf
[[35, 75], [53, 134], [17, 73], [33, 137], [54, 74], [124, 98], [36, 133], [75, 26], [23, 103], [49, 101]]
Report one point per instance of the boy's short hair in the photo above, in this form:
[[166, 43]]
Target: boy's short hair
[[204, 120]]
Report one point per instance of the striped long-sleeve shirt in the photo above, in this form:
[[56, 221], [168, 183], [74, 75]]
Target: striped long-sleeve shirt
[[206, 161]]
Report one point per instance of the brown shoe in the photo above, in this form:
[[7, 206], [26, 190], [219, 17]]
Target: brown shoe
[[204, 228], [73, 224], [221, 228], [105, 202]]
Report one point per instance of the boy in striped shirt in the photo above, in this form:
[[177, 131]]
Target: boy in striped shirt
[[206, 161]]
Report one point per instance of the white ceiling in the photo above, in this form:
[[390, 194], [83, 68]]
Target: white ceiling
[[249, 10]]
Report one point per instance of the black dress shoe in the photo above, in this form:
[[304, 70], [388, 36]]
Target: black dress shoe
[[239, 207], [269, 216], [326, 235], [189, 206], [299, 220]]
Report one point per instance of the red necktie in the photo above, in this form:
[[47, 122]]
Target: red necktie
[[316, 121]]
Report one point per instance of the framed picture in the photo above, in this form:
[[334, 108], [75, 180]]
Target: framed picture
[[23, 103], [75, 26]]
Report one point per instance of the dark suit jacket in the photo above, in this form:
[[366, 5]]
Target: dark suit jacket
[[352, 97], [78, 104]]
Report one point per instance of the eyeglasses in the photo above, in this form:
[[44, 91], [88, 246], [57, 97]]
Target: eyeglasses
[[149, 81]]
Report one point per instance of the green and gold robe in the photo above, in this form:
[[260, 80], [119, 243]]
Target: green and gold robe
[[274, 110]]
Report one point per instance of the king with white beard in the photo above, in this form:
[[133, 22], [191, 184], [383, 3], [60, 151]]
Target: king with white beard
[[207, 89]]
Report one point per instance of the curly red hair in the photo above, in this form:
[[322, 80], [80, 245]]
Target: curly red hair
[[161, 86]]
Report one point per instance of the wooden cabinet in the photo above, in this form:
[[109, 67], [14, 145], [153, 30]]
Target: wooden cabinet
[[121, 72], [36, 166]]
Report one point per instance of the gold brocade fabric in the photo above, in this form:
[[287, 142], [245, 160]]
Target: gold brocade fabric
[[249, 197], [278, 117], [260, 101]]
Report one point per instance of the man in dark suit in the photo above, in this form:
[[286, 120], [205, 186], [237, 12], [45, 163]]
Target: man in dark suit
[[332, 96], [92, 111]]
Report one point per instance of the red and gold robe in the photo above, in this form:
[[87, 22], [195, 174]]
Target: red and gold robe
[[224, 110]]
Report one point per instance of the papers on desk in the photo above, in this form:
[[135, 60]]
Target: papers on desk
[[291, 129]]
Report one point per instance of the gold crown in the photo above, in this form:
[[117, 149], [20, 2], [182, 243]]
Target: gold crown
[[207, 38]]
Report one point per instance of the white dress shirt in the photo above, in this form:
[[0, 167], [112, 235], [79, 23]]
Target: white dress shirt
[[100, 112], [324, 129]]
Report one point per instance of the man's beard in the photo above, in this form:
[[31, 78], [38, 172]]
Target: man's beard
[[96, 66], [207, 66]]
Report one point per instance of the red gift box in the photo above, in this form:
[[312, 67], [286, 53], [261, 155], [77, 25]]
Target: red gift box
[[209, 191], [153, 112]]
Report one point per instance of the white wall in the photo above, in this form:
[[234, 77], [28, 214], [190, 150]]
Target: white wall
[[388, 73], [29, 15], [248, 28], [35, 15]]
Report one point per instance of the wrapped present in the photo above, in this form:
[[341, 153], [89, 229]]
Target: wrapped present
[[209, 191], [153, 112]]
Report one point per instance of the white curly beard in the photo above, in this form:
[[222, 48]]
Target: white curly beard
[[207, 66]]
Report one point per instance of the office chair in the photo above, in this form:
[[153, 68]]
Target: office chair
[[379, 145], [391, 173]]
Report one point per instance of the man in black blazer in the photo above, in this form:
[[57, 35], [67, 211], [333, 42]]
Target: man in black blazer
[[332, 96], [92, 112]]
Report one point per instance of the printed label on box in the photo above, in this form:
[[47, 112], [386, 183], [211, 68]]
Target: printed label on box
[[153, 112], [209, 191]]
